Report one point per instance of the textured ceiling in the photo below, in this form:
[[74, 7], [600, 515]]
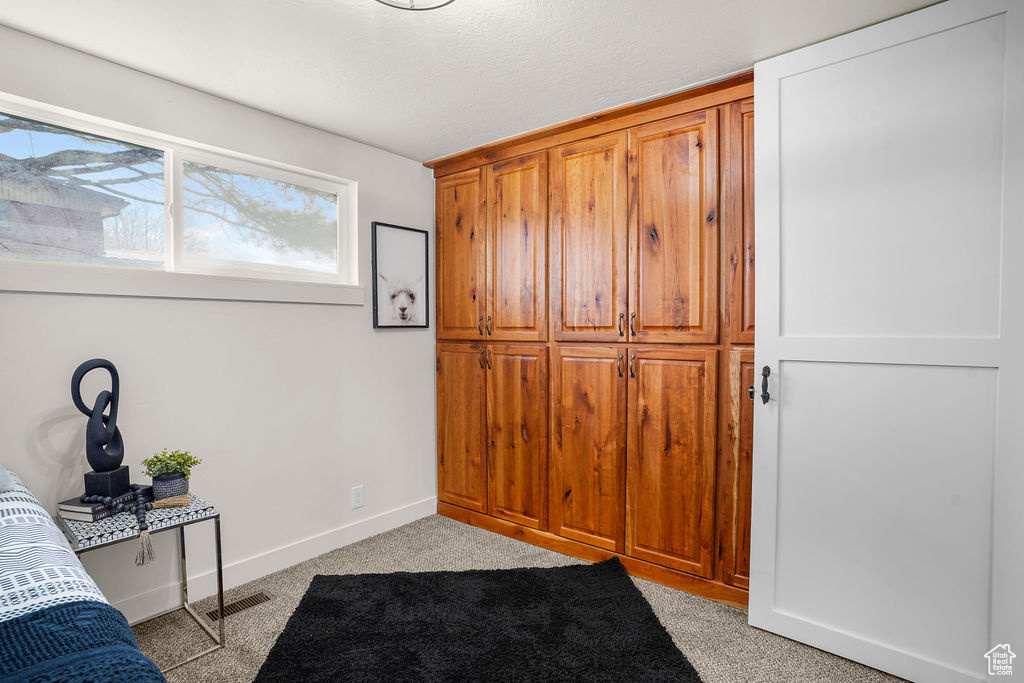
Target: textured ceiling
[[428, 84]]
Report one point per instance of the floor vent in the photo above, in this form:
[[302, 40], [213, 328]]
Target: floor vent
[[239, 605]]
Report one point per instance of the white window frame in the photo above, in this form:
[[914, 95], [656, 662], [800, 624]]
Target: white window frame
[[179, 279]]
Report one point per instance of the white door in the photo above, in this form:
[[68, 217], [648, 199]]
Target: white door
[[888, 509]]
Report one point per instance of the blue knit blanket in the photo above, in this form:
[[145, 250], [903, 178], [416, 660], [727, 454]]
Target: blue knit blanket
[[55, 624], [76, 642]]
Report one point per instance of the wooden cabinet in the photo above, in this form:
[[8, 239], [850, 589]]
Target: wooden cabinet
[[517, 249], [492, 429], [517, 421], [461, 426], [595, 285], [674, 229], [589, 240], [587, 495], [670, 471], [737, 448], [492, 252], [738, 220], [461, 233]]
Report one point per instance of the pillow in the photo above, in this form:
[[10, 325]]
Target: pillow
[[6, 479]]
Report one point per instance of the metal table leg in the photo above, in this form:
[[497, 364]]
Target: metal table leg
[[218, 637]]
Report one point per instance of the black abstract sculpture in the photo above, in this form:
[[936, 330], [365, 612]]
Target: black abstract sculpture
[[104, 447]]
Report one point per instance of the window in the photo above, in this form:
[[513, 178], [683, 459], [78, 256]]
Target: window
[[66, 195], [249, 222], [74, 196]]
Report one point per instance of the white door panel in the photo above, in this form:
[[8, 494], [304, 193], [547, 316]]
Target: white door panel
[[848, 129], [888, 509], [881, 501]]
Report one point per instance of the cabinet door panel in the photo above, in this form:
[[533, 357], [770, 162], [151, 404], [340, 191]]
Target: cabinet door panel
[[674, 229], [460, 210], [671, 463], [461, 426], [738, 220], [517, 415], [736, 470], [588, 445], [590, 239], [517, 251]]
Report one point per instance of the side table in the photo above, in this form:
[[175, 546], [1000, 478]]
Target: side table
[[87, 536]]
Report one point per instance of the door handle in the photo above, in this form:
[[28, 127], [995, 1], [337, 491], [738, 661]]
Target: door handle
[[618, 365], [488, 359], [632, 319], [632, 364], [480, 326], [765, 371], [622, 319], [489, 326]]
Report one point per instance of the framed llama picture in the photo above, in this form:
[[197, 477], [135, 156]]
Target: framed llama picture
[[400, 280]]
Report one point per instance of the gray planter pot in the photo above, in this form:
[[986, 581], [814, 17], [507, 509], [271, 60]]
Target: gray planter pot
[[169, 485]]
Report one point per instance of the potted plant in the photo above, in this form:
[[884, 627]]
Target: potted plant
[[170, 472]]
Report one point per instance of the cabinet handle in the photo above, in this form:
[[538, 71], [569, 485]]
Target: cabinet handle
[[622, 319], [481, 359], [488, 359], [632, 363], [480, 326], [489, 326], [632, 319], [619, 365]]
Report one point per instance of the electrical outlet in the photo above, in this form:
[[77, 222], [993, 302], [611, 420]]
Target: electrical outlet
[[358, 496]]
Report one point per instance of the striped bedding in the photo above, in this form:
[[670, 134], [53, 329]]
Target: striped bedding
[[55, 624]]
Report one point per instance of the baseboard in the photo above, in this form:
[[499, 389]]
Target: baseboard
[[165, 598], [712, 590]]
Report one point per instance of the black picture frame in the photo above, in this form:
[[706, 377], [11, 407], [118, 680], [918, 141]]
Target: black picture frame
[[405, 283]]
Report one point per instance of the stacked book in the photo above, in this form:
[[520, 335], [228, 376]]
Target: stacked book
[[74, 509]]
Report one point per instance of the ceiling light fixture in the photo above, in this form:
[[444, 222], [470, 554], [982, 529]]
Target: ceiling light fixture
[[416, 5]]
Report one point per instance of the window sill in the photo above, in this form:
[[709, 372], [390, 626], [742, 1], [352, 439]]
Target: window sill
[[61, 278]]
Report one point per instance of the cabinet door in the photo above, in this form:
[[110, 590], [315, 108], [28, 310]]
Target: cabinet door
[[738, 220], [674, 229], [461, 426], [590, 239], [587, 492], [517, 249], [460, 210], [735, 486], [671, 463], [517, 418]]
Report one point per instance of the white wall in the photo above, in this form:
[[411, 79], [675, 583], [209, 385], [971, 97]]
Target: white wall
[[289, 405]]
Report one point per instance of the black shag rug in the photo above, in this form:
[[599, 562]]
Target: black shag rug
[[577, 623]]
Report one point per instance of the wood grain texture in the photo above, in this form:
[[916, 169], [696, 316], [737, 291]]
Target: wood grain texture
[[738, 220], [588, 445], [589, 240], [461, 426], [674, 229], [729, 89], [517, 249], [517, 419], [736, 470], [461, 227], [670, 470], [711, 590]]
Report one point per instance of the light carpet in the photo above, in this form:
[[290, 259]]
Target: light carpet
[[715, 638]]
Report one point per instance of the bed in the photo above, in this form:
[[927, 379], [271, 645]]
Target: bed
[[55, 624]]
